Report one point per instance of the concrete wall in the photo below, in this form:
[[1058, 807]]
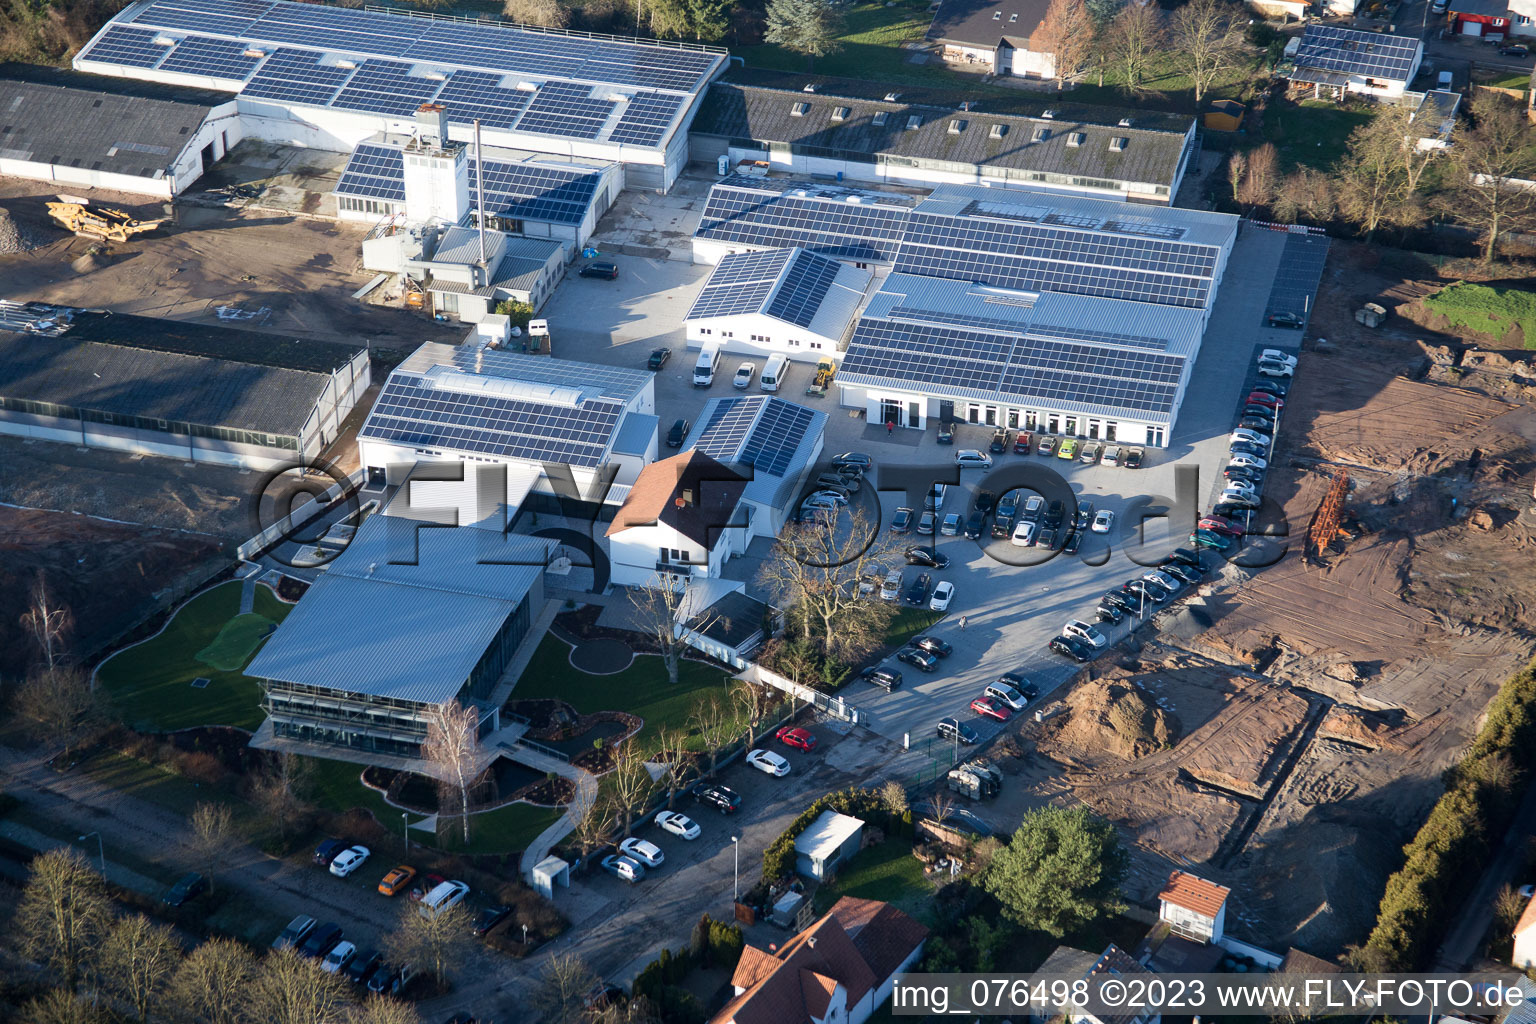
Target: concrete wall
[[144, 442]]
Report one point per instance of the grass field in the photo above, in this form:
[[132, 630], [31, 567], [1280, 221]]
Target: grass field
[[151, 683], [642, 689], [1313, 133], [885, 872], [1490, 310]]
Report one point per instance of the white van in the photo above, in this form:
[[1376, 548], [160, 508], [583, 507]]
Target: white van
[[704, 369], [773, 373], [445, 895]]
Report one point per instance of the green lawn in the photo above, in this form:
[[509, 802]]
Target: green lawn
[[908, 622], [1485, 308], [503, 830], [158, 784], [885, 872], [642, 689], [1313, 133], [871, 49], [151, 683]]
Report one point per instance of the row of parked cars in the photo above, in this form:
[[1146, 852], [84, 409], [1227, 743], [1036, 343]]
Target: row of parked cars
[[1249, 450], [832, 490], [1072, 448]]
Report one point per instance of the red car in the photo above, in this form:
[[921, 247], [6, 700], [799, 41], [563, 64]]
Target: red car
[[990, 708], [1266, 399], [1021, 443], [800, 739], [1216, 524]]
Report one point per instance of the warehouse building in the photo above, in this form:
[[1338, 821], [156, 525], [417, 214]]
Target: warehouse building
[[1039, 311], [403, 622], [540, 417], [827, 128], [776, 302], [744, 213], [328, 77], [87, 131], [187, 391]]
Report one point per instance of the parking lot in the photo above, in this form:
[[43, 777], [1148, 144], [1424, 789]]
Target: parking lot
[[1011, 611]]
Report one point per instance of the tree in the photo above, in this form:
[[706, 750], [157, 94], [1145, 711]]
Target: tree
[[279, 791], [629, 782], [1489, 161], [1067, 34], [1261, 177], [383, 1010], [1508, 905], [63, 703], [453, 751], [1060, 871], [672, 755], [808, 27], [657, 607], [712, 720], [894, 796], [213, 827], [1135, 37], [1207, 41], [48, 623], [1371, 182], [137, 961], [564, 983], [1237, 170], [1305, 193], [814, 570], [941, 805], [593, 824], [543, 13], [211, 983], [60, 1006], [432, 939], [754, 701], [63, 914], [288, 989]]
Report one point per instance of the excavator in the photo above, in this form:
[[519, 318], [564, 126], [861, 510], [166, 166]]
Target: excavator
[[104, 223]]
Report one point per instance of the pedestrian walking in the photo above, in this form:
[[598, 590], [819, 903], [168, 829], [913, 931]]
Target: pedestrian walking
[[962, 623], [890, 427]]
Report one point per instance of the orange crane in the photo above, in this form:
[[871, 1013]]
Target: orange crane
[[1330, 513]]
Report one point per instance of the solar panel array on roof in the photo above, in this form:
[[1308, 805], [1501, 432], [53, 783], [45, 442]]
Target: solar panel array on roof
[[644, 122], [514, 189], [773, 442], [220, 58], [565, 109], [476, 95], [740, 283], [1372, 54], [842, 223], [127, 46], [805, 285], [386, 87], [296, 76]]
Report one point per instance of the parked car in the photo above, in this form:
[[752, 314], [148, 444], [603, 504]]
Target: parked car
[[449, 893], [1244, 474], [1272, 369], [1108, 613], [1046, 538], [388, 979], [933, 501], [954, 729], [1092, 450], [722, 799], [1291, 321], [1068, 449], [885, 678], [1265, 398], [1210, 539], [1072, 543], [984, 502], [890, 587], [1258, 412], [328, 849], [1118, 599], [1248, 461], [970, 458], [1131, 459], [340, 955], [678, 824], [942, 595], [321, 941], [362, 966], [623, 868], [1053, 513], [744, 374], [1084, 632], [1103, 521], [1271, 387], [853, 460], [1181, 572], [919, 589], [1024, 533], [678, 432], [1000, 442], [927, 556], [394, 883], [794, 736], [658, 358], [1007, 694], [946, 433], [1072, 648], [987, 707], [349, 860], [926, 523], [920, 660], [975, 525], [1259, 423], [1046, 446], [1235, 504], [1008, 504], [1034, 507], [1084, 516], [1247, 448], [1247, 435], [769, 763], [933, 645], [187, 889], [1166, 580], [950, 527], [1002, 527], [606, 271], [642, 850], [425, 885], [1021, 443], [901, 522]]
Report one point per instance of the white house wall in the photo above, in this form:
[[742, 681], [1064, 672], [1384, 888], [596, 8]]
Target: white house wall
[[735, 335], [1127, 430]]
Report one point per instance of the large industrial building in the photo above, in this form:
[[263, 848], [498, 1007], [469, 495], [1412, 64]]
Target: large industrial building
[[777, 302], [93, 132], [1030, 310], [828, 127], [330, 78], [190, 391]]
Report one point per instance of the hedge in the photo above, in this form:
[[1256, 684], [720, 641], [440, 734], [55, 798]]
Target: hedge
[[779, 857], [1444, 861]]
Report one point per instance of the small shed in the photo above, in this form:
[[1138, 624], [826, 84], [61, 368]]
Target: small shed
[[1225, 116], [548, 873], [830, 840]]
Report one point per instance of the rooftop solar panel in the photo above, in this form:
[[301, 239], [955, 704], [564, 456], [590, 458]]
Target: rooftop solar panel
[[377, 172], [805, 285], [231, 18], [386, 87], [477, 95], [1334, 48], [565, 109], [726, 431], [740, 283], [219, 58], [819, 220], [772, 444], [297, 76], [646, 119], [132, 47]]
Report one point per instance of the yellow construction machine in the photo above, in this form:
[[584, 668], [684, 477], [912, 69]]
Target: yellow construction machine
[[107, 224]]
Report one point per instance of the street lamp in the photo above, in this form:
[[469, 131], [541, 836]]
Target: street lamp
[[736, 877], [405, 826], [101, 852]]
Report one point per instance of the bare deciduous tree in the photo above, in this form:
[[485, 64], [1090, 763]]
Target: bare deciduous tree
[[1508, 905], [1371, 181], [754, 701], [213, 828], [452, 748], [1237, 169], [60, 1006], [279, 791], [815, 570], [673, 755], [894, 796], [383, 1010], [1261, 178], [137, 961], [656, 607], [593, 825], [63, 913], [1305, 193], [563, 985], [211, 983], [1491, 159], [714, 722], [629, 782], [1135, 37], [48, 622], [1067, 34], [289, 989], [63, 704], [544, 13], [941, 805], [1207, 41], [435, 940]]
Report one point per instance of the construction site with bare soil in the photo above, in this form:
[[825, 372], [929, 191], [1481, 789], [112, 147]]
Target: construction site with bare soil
[[1283, 731]]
